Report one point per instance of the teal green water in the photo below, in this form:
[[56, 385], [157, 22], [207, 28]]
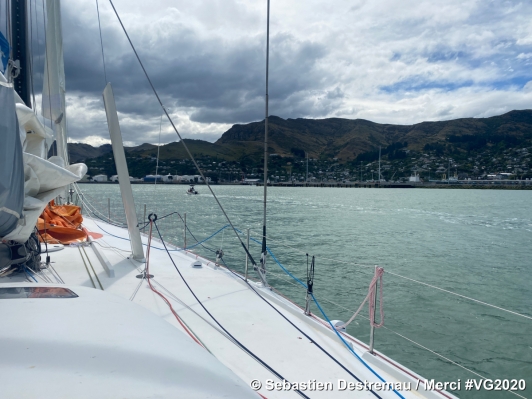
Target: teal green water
[[473, 242]]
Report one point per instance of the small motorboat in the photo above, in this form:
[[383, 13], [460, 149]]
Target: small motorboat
[[192, 190]]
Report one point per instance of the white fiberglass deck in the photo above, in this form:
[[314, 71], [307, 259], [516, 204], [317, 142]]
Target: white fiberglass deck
[[242, 312]]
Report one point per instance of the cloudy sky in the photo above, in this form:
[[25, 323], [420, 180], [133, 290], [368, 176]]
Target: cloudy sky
[[388, 61]]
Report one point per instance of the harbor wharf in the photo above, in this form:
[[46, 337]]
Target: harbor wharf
[[460, 184]]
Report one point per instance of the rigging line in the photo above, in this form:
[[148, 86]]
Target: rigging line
[[301, 331], [201, 242], [216, 328], [147, 276], [28, 274], [8, 32], [37, 30], [222, 244], [162, 249], [45, 243], [43, 277], [172, 296], [348, 346], [7, 17], [110, 222], [94, 210], [48, 76], [408, 339], [182, 303], [157, 164], [263, 252], [179, 135], [419, 282], [281, 243], [31, 57], [445, 358], [57, 276], [262, 362], [101, 43], [136, 290], [111, 247], [462, 296]]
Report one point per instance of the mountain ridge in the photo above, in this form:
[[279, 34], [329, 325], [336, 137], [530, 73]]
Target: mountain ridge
[[344, 139]]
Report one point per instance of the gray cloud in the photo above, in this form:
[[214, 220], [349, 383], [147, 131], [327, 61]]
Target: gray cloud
[[387, 61]]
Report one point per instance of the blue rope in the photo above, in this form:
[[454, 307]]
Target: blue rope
[[285, 270], [276, 261], [162, 249], [324, 315], [348, 346], [29, 274], [297, 328]]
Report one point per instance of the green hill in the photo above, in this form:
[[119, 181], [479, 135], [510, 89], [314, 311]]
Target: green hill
[[470, 142]]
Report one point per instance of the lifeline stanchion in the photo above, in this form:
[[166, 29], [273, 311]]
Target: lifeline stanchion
[[247, 259], [109, 208], [144, 219], [373, 322], [310, 283], [185, 230]]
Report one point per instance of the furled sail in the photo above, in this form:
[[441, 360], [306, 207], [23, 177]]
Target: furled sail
[[28, 182], [53, 96], [11, 167]]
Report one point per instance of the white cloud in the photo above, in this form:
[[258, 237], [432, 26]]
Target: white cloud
[[383, 60]]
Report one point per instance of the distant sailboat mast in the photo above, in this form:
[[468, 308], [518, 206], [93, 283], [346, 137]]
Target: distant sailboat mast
[[379, 164], [262, 271]]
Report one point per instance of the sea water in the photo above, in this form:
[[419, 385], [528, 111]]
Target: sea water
[[476, 243]]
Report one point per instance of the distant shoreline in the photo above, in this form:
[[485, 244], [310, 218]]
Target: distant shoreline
[[494, 185]]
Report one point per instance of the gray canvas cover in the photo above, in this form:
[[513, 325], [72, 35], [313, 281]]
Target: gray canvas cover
[[11, 165]]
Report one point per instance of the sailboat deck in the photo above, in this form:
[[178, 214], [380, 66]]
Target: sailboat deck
[[242, 313]]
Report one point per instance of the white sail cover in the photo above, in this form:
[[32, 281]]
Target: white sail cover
[[36, 180], [53, 96]]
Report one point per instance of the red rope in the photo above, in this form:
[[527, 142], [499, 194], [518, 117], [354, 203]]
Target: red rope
[[161, 295]]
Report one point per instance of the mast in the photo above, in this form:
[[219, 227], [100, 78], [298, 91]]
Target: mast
[[306, 181], [262, 271], [379, 164], [19, 33]]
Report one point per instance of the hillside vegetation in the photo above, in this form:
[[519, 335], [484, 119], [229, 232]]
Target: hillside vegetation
[[475, 146]]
